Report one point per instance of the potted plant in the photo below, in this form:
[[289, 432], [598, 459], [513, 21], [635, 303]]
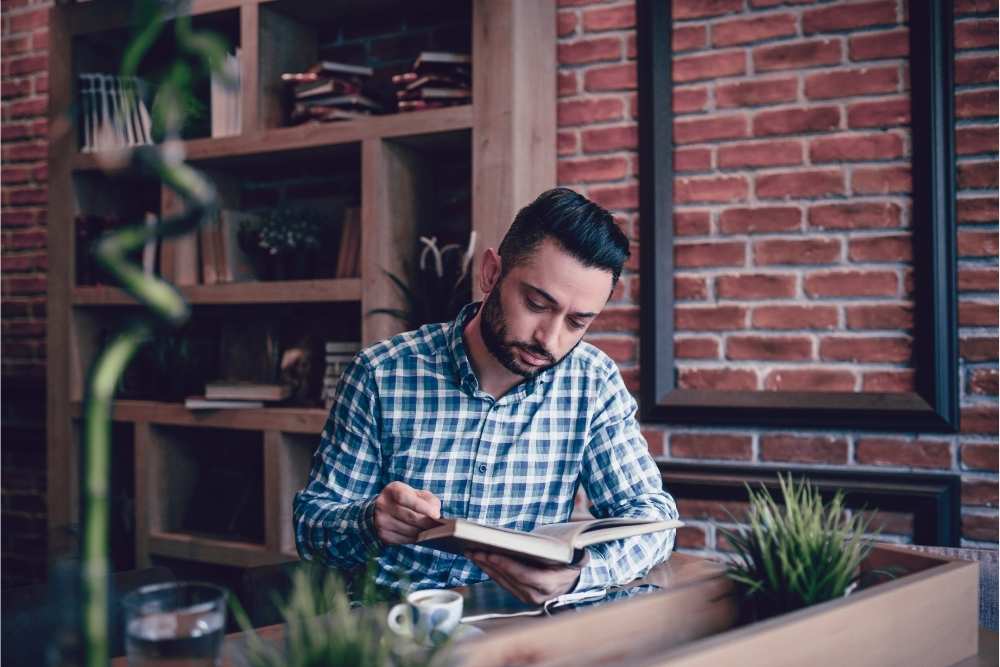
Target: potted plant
[[286, 242], [797, 553]]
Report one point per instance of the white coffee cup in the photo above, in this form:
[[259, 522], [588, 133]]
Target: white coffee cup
[[427, 616]]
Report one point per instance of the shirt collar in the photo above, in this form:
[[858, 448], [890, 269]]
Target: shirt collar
[[466, 376]]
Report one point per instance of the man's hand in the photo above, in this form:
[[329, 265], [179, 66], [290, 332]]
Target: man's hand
[[533, 584], [402, 512]]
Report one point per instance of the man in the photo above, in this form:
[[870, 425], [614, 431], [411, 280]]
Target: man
[[497, 417]]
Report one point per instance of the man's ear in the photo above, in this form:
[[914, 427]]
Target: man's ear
[[489, 276]]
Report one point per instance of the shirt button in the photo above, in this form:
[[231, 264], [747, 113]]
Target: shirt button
[[482, 467]]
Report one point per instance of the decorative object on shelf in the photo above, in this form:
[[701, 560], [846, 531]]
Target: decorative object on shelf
[[288, 242], [226, 97], [796, 554], [113, 112], [338, 355], [441, 284], [330, 91], [438, 79]]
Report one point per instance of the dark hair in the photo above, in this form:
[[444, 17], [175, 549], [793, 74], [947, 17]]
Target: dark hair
[[582, 228]]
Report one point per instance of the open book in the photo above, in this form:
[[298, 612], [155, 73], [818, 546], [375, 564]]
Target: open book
[[558, 543]]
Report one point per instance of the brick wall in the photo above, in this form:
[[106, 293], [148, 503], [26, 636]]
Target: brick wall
[[792, 217]]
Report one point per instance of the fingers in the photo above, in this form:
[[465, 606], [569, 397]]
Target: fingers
[[402, 512], [421, 502], [526, 591]]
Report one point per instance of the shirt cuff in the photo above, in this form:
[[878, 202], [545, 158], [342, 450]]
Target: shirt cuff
[[369, 538], [594, 574]]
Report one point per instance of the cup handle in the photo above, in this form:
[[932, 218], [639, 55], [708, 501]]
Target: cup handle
[[399, 620]]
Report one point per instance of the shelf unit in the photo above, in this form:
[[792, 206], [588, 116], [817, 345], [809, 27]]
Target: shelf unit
[[506, 137]]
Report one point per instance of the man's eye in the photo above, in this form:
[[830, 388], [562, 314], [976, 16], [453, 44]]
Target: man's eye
[[537, 307], [575, 326]]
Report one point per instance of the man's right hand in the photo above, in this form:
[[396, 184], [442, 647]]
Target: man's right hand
[[402, 512]]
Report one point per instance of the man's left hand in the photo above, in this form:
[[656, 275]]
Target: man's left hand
[[533, 584]]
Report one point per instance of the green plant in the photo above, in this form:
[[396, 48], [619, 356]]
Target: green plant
[[288, 230], [797, 553], [441, 285]]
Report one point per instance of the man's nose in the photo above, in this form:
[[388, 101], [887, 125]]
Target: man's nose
[[547, 334]]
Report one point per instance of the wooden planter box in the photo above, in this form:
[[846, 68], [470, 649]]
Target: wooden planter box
[[927, 616]]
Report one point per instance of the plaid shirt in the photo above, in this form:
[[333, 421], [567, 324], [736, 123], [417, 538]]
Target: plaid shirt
[[410, 408]]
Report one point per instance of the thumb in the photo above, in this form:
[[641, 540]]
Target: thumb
[[434, 501]]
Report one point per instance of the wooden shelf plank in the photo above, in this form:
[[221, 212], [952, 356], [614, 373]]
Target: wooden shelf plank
[[315, 136], [287, 420], [279, 291], [209, 550]]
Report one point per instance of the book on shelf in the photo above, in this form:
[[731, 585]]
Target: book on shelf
[[350, 244], [207, 253], [430, 93], [246, 391], [333, 68], [355, 102], [558, 544], [113, 113], [429, 61], [440, 81], [420, 105], [236, 264], [225, 97], [321, 87], [205, 403], [303, 113]]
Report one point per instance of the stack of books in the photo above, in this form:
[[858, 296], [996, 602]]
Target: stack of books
[[438, 79], [338, 356], [227, 117], [330, 91], [237, 396], [222, 260], [113, 114]]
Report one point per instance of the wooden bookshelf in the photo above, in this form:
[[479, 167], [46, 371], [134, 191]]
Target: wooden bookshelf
[[504, 141]]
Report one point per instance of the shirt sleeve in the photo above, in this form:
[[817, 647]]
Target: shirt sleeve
[[333, 513], [622, 480]]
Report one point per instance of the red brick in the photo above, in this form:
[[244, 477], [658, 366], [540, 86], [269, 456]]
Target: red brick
[[616, 197], [623, 319], [978, 349], [796, 121], [865, 350], [30, 262], [24, 239], [798, 55], [882, 180], [567, 84], [760, 154], [983, 381], [978, 527], [770, 348], [576, 3], [977, 244], [585, 112], [27, 65], [879, 46], [689, 38], [717, 379], [888, 381], [839, 18], [612, 77], [979, 456], [23, 285], [759, 220], [980, 209], [794, 317], [610, 18], [620, 349], [977, 69], [23, 329], [713, 128], [759, 92], [592, 169], [963, 7], [910, 453], [711, 318], [975, 140], [844, 148], [598, 140], [690, 288], [27, 196], [978, 175], [976, 104], [15, 88], [590, 50], [982, 419], [40, 40], [41, 84], [696, 348], [851, 283], [800, 184], [849, 83], [893, 523], [854, 216], [15, 46], [755, 286], [566, 23], [25, 152], [896, 248], [691, 223], [28, 108], [800, 449], [796, 251], [28, 21], [692, 159], [689, 100], [20, 217], [700, 255], [720, 510], [809, 380], [977, 314], [690, 537], [883, 113], [978, 280], [720, 189], [567, 143], [882, 316], [747, 31], [654, 442], [696, 9], [15, 176], [709, 66], [710, 446]]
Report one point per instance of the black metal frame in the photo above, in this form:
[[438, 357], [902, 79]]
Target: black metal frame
[[934, 406], [934, 500]]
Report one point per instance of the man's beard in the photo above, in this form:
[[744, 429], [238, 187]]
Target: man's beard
[[493, 327]]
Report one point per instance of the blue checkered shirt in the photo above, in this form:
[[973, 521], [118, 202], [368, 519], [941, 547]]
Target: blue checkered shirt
[[410, 409]]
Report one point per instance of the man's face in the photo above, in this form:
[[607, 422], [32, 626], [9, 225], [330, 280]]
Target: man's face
[[540, 310]]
